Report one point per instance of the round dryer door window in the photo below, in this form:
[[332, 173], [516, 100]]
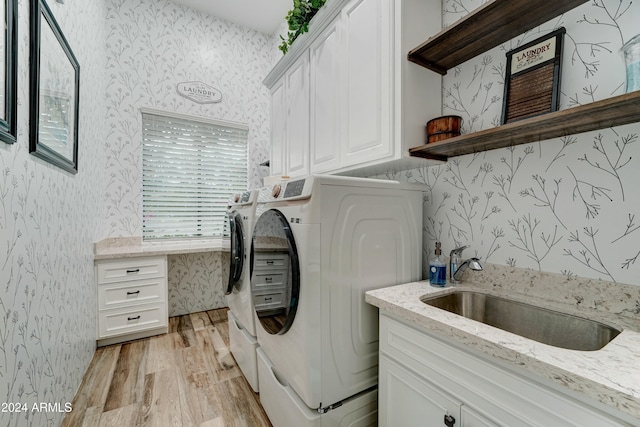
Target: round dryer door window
[[237, 251], [275, 277]]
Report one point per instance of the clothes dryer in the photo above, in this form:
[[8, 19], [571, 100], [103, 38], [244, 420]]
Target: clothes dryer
[[242, 328], [319, 244]]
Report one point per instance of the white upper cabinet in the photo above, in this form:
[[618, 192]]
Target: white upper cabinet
[[325, 101], [297, 118], [367, 104], [290, 121], [278, 113], [367, 84]]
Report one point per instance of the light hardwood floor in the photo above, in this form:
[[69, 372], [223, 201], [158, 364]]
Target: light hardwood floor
[[184, 378]]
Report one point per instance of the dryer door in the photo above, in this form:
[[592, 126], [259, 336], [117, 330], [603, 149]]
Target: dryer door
[[275, 276], [237, 251]]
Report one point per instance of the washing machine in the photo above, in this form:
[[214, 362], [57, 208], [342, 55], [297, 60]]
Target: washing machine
[[319, 244], [242, 328]]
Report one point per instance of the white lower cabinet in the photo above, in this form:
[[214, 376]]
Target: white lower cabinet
[[413, 401], [132, 298], [425, 381], [408, 400]]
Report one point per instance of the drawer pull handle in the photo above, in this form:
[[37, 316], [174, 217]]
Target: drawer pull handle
[[133, 292], [268, 299], [135, 270], [268, 279], [134, 318], [269, 262]]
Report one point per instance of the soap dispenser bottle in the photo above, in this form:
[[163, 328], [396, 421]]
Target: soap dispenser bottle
[[438, 268]]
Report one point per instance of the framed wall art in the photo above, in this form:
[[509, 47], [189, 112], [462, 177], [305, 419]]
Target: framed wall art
[[55, 92], [8, 70], [532, 81]]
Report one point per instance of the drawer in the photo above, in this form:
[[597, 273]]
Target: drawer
[[268, 280], [270, 260], [126, 294], [269, 301], [131, 269], [129, 320]]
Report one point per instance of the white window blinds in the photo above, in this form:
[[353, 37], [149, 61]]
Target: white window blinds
[[190, 168]]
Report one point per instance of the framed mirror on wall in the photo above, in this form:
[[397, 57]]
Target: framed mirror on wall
[[8, 70], [55, 90]]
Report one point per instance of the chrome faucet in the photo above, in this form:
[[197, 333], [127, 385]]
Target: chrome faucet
[[472, 263], [456, 267]]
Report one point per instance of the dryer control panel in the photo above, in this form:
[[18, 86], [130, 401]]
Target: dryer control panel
[[294, 188], [300, 189]]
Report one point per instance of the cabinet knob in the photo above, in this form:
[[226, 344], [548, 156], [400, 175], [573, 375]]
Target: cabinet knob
[[449, 421]]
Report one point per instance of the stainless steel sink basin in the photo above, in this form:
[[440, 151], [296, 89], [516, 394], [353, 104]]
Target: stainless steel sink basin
[[536, 323]]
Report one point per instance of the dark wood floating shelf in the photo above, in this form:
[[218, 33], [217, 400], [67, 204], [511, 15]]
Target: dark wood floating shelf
[[488, 26], [615, 111]]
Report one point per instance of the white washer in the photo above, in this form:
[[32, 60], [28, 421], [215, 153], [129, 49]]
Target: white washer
[[242, 328], [332, 239]]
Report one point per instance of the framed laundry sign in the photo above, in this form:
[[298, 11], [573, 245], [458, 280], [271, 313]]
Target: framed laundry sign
[[199, 92], [532, 82]]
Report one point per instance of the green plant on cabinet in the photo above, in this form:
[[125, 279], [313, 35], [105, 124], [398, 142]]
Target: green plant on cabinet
[[298, 20]]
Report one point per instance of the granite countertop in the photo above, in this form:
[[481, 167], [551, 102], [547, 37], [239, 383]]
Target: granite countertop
[[610, 375], [129, 247]]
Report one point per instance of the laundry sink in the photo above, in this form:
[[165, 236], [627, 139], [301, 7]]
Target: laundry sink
[[540, 324]]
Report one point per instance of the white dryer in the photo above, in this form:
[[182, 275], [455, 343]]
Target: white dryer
[[242, 328], [319, 244]]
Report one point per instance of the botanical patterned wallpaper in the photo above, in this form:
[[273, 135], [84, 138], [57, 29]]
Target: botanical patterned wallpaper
[[151, 46], [567, 205], [197, 282], [49, 220]]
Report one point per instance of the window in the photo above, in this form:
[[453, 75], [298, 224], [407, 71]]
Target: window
[[190, 168]]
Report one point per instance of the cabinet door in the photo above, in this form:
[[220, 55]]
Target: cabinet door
[[470, 418], [325, 101], [297, 121], [367, 82], [278, 116], [405, 399]]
